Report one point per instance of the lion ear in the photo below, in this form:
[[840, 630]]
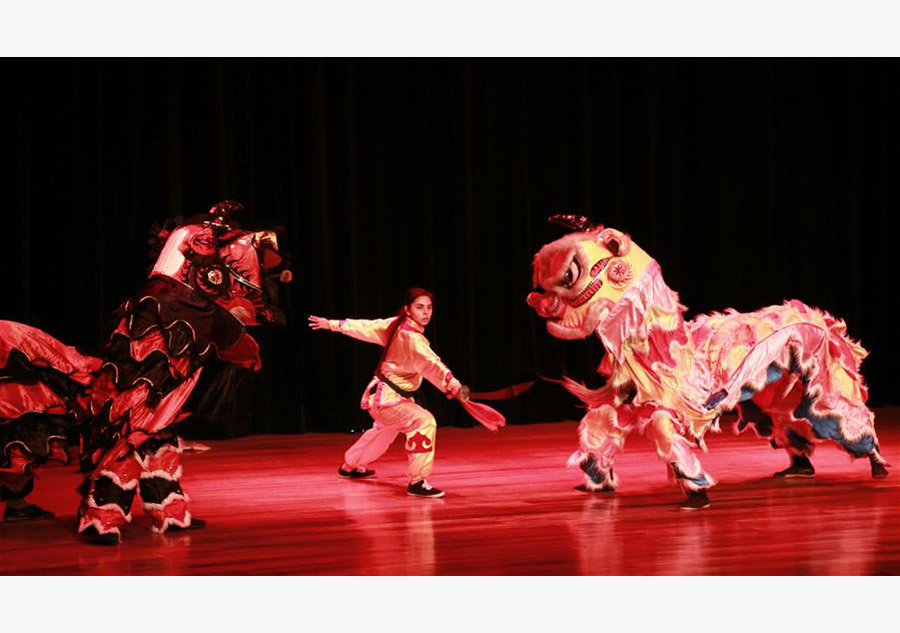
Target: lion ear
[[616, 242]]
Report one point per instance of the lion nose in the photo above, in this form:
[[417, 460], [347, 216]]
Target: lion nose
[[547, 305]]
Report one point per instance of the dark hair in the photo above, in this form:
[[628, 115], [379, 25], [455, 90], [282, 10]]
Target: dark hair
[[409, 296]]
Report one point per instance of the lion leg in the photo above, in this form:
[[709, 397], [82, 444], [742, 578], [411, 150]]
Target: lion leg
[[600, 439], [878, 464], [769, 412], [785, 412], [664, 431], [797, 439], [853, 430]]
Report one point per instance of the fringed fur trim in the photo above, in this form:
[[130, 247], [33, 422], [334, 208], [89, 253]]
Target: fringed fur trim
[[162, 474], [85, 524], [611, 483], [108, 506], [144, 461], [577, 459], [173, 521], [690, 484], [171, 498], [687, 468], [812, 349], [601, 432], [131, 485]]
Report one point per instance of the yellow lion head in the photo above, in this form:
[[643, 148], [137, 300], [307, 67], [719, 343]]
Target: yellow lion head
[[582, 275]]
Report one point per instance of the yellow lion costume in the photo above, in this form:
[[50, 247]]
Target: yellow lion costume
[[790, 371]]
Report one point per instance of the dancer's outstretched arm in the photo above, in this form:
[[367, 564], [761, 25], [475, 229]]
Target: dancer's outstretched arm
[[369, 330]]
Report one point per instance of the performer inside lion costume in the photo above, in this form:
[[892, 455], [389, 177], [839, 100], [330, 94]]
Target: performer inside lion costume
[[211, 281], [790, 371]]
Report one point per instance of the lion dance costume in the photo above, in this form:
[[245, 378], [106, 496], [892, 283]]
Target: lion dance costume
[[790, 371], [210, 281]]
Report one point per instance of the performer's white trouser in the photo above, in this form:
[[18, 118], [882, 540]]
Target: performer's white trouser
[[416, 423]]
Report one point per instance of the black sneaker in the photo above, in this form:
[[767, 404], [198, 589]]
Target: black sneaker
[[196, 524], [879, 471], [604, 488], [696, 500], [800, 467], [28, 513], [424, 489], [356, 473], [91, 535]]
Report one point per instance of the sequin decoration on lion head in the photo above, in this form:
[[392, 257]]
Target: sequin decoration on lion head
[[582, 276], [237, 269]]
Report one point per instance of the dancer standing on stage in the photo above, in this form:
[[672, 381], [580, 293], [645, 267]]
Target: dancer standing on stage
[[407, 359]]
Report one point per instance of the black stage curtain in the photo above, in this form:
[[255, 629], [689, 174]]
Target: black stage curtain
[[750, 181]]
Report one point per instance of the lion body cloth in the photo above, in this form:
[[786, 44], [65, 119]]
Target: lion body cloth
[[790, 371]]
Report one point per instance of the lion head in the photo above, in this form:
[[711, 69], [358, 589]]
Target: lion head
[[582, 275]]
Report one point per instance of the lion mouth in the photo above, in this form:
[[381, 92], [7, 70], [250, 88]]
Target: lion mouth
[[585, 295], [591, 289], [596, 313]]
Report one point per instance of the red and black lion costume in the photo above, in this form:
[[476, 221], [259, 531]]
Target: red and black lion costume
[[210, 281]]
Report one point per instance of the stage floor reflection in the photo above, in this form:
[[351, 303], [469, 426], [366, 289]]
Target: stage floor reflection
[[275, 505]]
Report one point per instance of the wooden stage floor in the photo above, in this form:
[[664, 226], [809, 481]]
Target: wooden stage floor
[[275, 505]]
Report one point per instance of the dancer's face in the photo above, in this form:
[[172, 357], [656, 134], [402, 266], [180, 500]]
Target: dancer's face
[[420, 310]]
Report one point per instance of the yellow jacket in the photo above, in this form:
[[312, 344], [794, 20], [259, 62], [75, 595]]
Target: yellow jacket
[[409, 359]]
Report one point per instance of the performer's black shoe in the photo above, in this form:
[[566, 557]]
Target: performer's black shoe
[[800, 467], [424, 489], [604, 488], [196, 524], [879, 471], [28, 513], [356, 473], [696, 500], [91, 535]]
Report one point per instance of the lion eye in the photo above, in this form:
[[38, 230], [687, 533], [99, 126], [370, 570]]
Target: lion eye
[[571, 275]]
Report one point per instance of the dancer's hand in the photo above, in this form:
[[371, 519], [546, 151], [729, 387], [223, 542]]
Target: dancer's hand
[[461, 392], [318, 323]]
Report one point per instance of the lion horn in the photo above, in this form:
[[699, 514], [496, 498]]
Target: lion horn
[[571, 221]]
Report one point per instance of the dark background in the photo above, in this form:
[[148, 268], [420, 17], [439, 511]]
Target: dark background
[[750, 181]]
